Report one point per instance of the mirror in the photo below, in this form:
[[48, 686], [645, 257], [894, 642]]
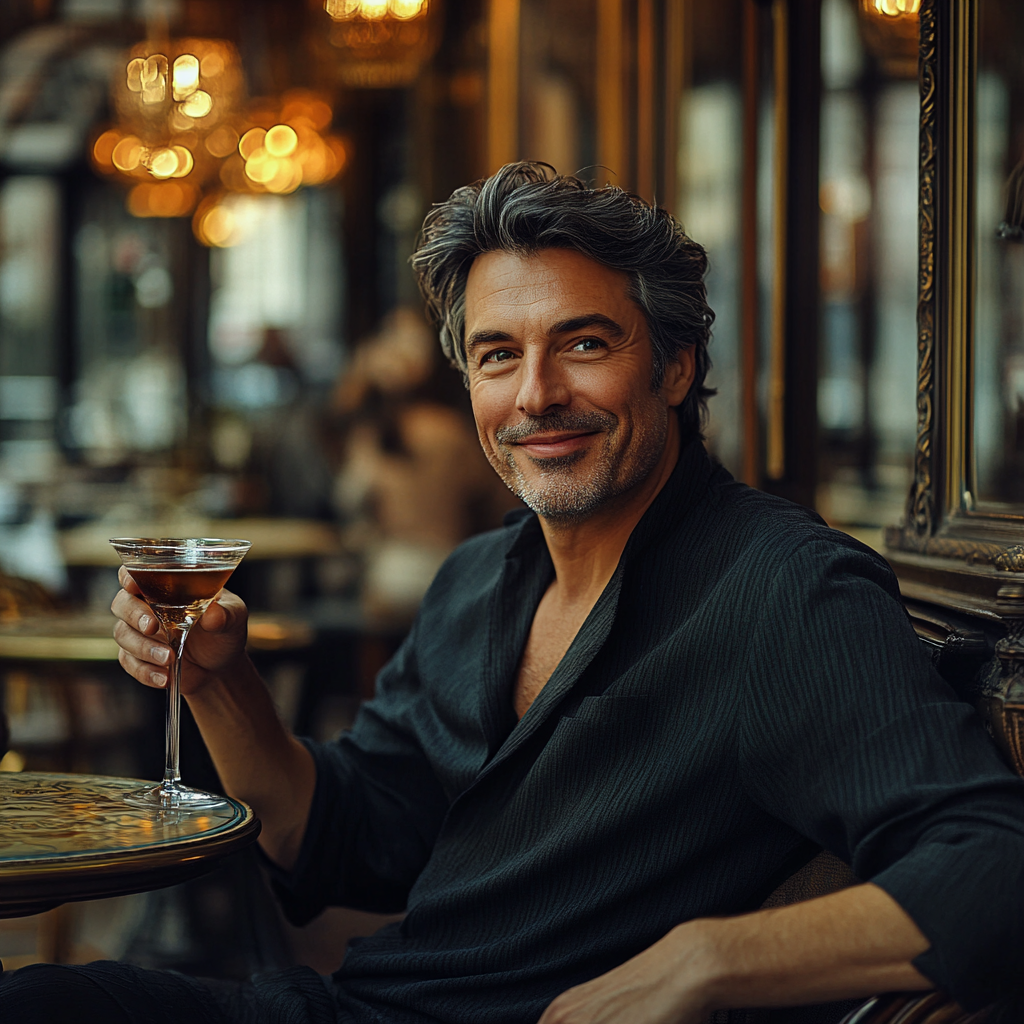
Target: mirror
[[999, 253]]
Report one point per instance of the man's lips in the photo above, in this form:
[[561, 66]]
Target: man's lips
[[550, 445]]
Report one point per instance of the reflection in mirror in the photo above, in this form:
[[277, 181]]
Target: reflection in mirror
[[868, 266], [999, 225]]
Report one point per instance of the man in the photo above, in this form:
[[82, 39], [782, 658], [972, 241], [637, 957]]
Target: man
[[621, 721]]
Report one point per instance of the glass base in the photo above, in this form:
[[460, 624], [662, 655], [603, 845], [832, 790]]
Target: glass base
[[174, 797]]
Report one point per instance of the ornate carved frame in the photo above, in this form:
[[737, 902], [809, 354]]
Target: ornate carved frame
[[963, 550], [949, 552]]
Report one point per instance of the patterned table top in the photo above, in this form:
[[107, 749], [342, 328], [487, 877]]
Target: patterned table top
[[65, 837]]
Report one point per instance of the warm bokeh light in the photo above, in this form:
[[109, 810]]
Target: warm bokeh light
[[381, 43], [251, 141], [286, 148], [163, 163], [894, 8], [222, 142], [162, 199], [192, 84], [174, 151], [128, 154], [281, 140], [103, 151], [185, 78], [199, 104], [374, 10], [215, 223]]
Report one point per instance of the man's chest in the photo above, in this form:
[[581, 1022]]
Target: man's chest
[[555, 625]]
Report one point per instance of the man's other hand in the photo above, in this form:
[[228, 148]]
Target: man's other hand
[[661, 985], [216, 641], [848, 945]]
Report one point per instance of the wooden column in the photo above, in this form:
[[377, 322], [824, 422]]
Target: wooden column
[[502, 83], [612, 151], [750, 313], [792, 422]]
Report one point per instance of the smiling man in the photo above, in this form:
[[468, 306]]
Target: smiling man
[[619, 722]]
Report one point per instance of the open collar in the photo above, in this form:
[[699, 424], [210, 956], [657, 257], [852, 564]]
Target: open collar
[[528, 570]]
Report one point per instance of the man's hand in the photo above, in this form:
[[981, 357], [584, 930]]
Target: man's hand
[[852, 944], [661, 985], [216, 642], [257, 759]]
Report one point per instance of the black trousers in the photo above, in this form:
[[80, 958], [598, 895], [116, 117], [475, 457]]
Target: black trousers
[[108, 992]]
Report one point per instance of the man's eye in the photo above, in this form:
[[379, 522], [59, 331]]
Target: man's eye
[[588, 345], [499, 355]]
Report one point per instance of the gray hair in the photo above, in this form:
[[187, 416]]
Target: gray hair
[[526, 207]]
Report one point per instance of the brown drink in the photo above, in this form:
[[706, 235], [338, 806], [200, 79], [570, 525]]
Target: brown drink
[[174, 586]]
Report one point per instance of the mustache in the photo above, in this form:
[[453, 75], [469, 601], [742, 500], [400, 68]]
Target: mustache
[[583, 422]]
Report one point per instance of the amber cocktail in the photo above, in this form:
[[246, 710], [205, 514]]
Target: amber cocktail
[[179, 578]]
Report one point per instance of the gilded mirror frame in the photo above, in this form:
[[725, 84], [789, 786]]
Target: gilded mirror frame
[[943, 517]]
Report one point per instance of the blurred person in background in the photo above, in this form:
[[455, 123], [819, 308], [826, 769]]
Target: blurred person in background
[[413, 482]]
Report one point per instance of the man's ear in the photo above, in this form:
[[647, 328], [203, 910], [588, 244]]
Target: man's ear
[[679, 373]]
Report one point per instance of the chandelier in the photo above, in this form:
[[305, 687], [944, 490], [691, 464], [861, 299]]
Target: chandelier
[[382, 43], [175, 104], [278, 147], [185, 138], [890, 29]]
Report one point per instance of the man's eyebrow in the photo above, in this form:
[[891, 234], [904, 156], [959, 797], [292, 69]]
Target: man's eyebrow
[[484, 338], [579, 323], [575, 323]]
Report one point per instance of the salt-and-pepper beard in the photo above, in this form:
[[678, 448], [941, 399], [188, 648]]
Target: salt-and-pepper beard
[[566, 498]]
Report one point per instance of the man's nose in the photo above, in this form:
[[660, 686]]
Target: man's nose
[[542, 385]]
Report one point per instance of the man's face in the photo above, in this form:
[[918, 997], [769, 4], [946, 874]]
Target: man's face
[[560, 366]]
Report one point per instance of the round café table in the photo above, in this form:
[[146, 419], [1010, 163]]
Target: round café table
[[72, 837]]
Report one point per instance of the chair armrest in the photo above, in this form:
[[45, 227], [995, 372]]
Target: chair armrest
[[915, 1008]]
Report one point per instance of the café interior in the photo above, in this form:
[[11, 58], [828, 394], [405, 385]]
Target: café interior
[[209, 328]]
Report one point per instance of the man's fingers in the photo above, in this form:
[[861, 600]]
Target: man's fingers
[[135, 612], [125, 579], [145, 649], [143, 671]]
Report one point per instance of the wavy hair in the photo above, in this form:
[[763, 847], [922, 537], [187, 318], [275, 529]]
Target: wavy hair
[[526, 207]]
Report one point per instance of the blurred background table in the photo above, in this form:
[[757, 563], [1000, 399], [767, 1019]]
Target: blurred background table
[[85, 636], [71, 837], [88, 545]]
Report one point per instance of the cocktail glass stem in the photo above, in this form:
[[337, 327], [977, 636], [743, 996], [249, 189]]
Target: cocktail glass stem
[[177, 634]]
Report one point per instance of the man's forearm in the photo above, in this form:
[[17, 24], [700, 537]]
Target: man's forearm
[[257, 758], [854, 943]]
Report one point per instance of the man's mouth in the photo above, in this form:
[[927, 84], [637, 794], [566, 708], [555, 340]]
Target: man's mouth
[[556, 436], [553, 444]]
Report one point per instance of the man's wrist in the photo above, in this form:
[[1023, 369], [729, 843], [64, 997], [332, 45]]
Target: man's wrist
[[208, 686], [702, 969]]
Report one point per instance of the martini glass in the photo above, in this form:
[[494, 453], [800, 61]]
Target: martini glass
[[179, 578]]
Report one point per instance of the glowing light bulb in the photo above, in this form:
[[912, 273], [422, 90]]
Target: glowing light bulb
[[199, 104], [281, 140], [251, 141], [406, 9], [163, 163], [128, 154], [342, 9], [185, 76]]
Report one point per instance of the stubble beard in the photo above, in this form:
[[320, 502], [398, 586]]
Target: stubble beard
[[565, 495]]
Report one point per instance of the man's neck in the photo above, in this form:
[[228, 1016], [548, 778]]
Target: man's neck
[[586, 553]]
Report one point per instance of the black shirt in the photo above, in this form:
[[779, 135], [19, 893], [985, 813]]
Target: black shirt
[[746, 691]]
